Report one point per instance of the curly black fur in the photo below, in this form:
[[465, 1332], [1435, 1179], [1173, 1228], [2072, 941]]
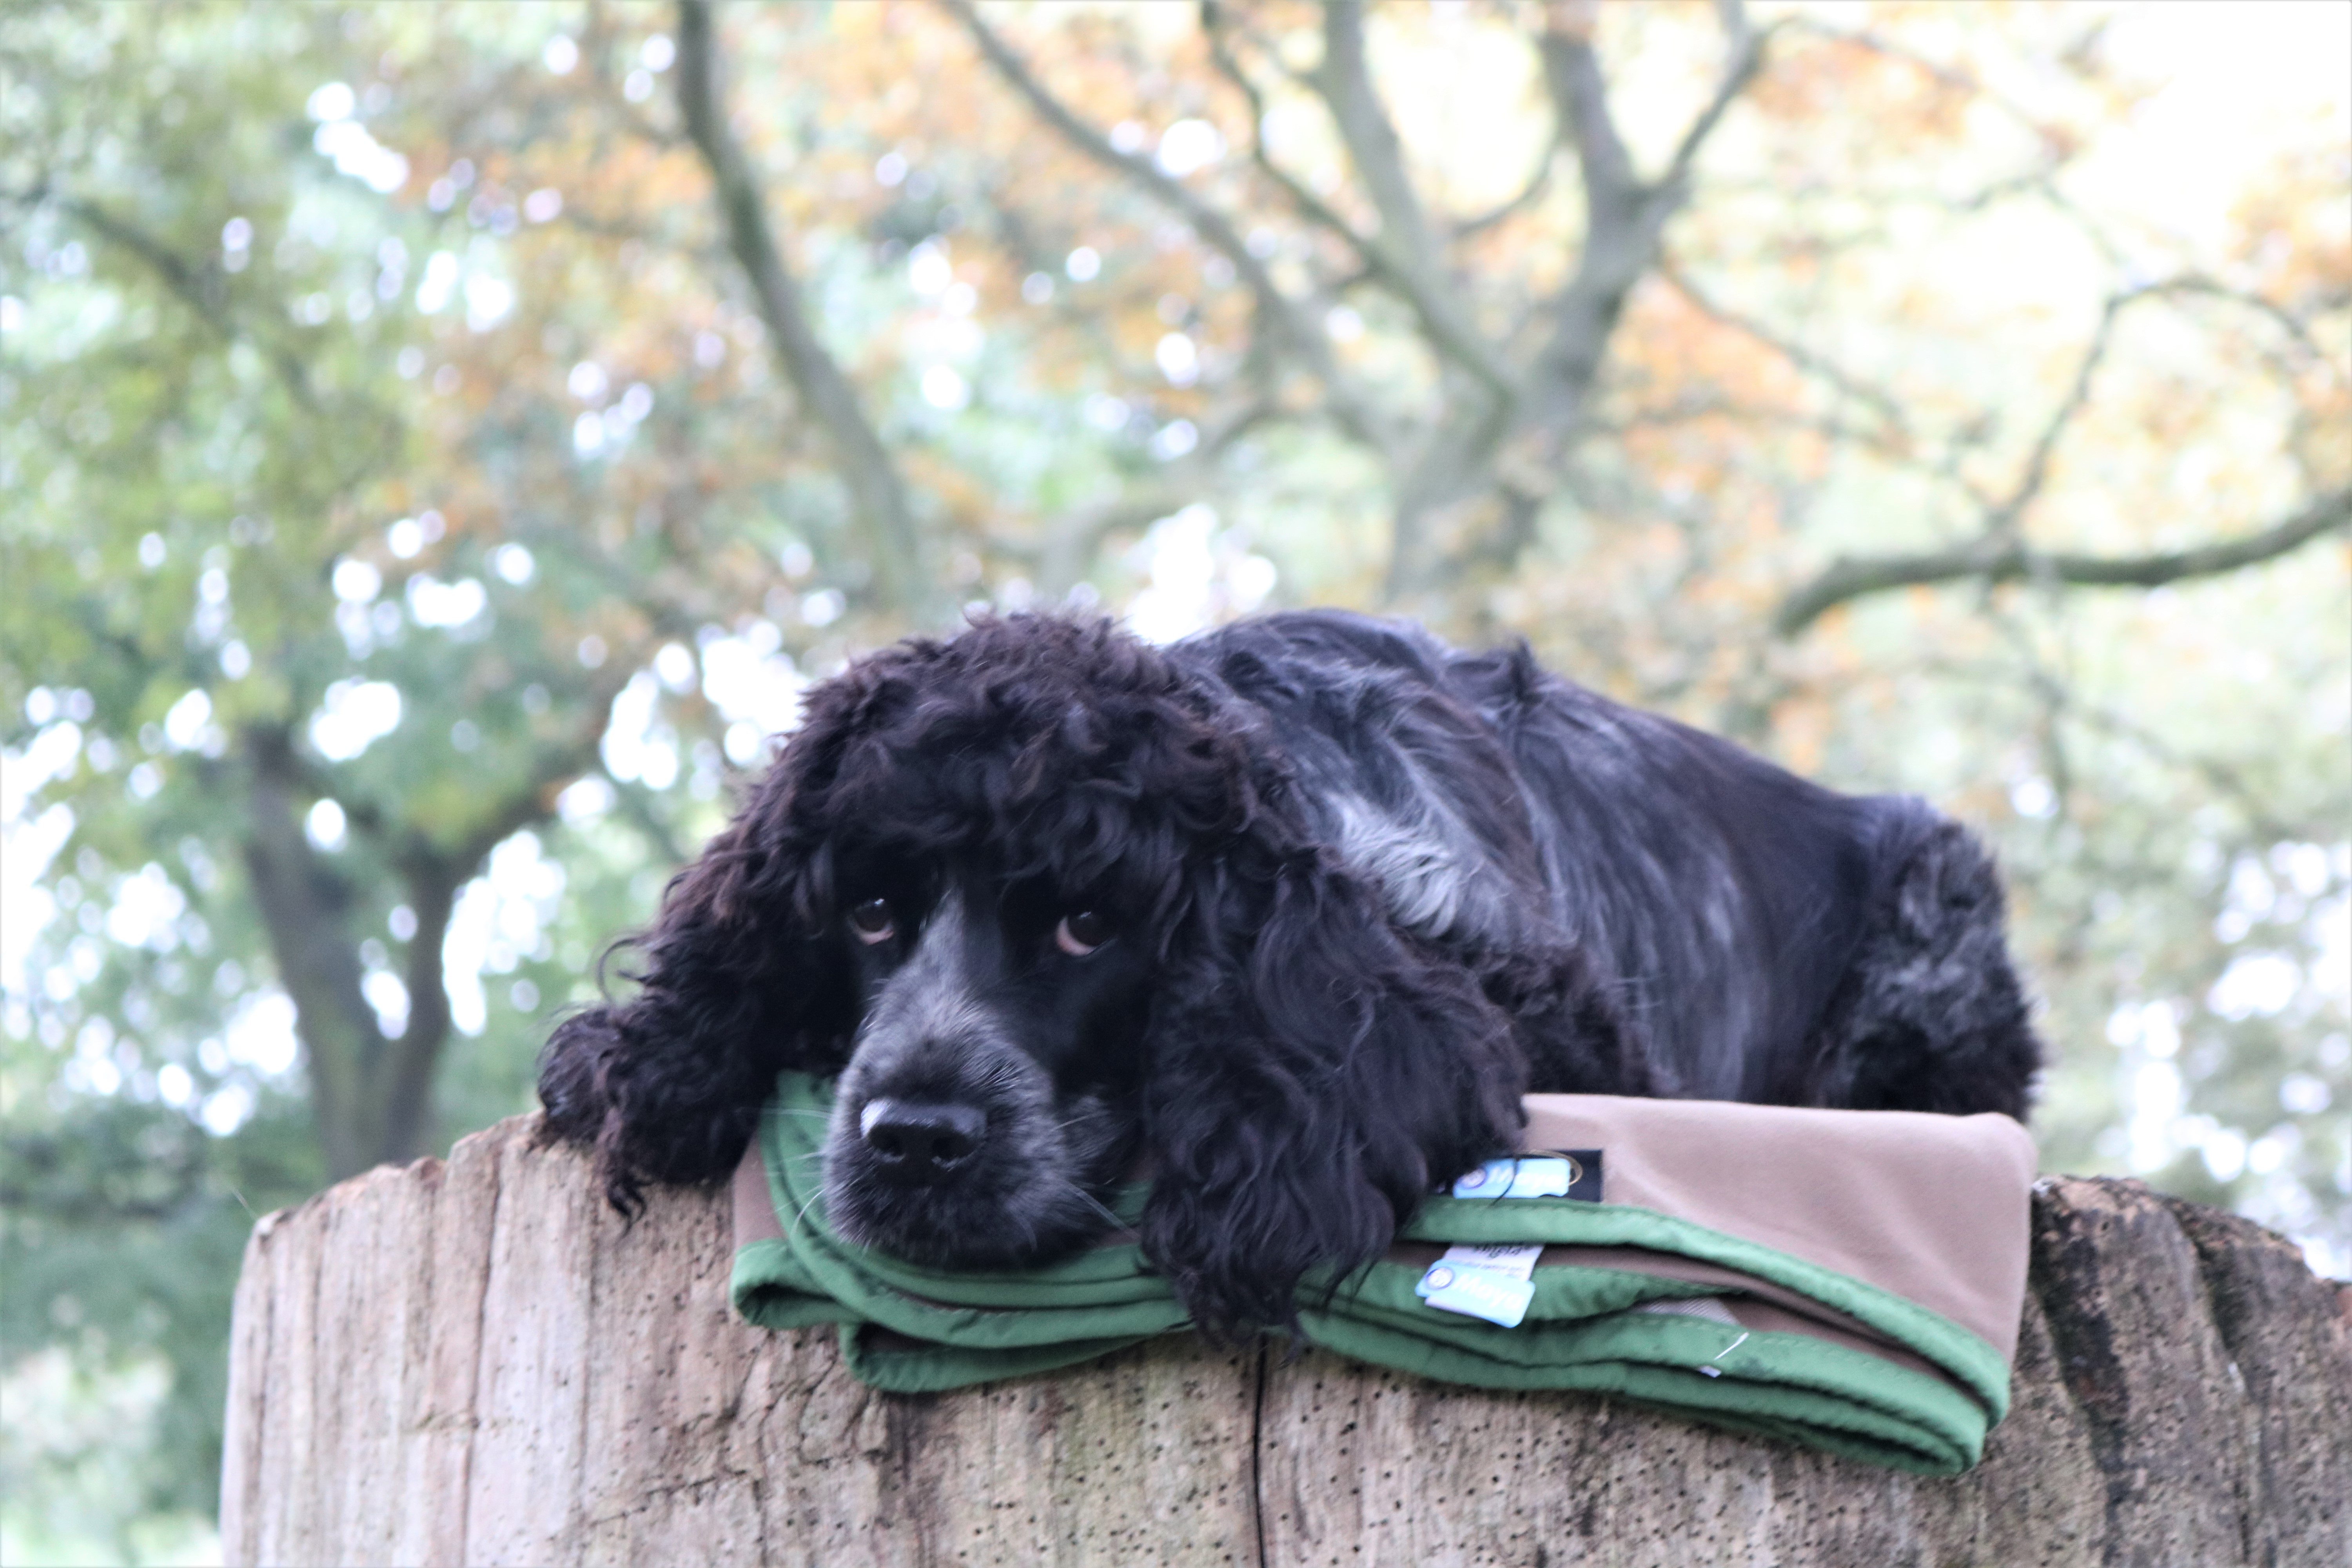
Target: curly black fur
[[1364, 892]]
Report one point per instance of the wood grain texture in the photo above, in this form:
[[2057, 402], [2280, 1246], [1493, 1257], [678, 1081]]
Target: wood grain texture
[[476, 1363]]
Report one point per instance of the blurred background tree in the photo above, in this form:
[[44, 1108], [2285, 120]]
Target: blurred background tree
[[440, 439]]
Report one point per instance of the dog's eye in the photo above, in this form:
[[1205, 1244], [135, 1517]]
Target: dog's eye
[[1081, 933], [871, 921]]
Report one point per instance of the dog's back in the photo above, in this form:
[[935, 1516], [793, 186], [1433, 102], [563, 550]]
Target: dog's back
[[1754, 936]]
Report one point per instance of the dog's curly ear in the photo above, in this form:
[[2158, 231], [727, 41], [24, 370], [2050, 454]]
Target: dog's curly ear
[[733, 986], [1313, 1076]]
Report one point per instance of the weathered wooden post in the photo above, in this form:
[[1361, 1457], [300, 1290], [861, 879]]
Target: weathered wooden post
[[476, 1363]]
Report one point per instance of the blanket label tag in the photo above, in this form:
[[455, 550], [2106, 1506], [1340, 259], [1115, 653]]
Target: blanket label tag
[[1499, 1298], [1561, 1174], [1518, 1262]]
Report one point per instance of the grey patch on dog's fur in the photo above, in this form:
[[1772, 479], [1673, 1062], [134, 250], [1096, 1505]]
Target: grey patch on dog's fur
[[1428, 868]]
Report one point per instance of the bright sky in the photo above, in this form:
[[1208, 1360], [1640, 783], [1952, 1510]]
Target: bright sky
[[2244, 76]]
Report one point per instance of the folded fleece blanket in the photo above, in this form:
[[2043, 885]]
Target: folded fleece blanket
[[1850, 1280]]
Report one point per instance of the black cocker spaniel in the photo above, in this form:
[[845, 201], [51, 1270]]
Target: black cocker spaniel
[[1291, 912]]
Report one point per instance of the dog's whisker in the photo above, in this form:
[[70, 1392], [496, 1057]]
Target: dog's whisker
[[1099, 1207], [793, 1229]]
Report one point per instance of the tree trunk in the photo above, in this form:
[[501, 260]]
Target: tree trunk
[[476, 1363], [306, 906]]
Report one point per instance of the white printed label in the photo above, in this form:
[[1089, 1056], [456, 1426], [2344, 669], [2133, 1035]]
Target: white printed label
[[1530, 1178], [1477, 1293], [1491, 1180], [1518, 1262]]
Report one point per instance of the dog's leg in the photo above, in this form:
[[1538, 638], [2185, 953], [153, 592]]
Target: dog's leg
[[1565, 1025], [1931, 1017]]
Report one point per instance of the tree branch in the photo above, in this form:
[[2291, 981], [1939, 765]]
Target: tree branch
[[1314, 207], [2001, 541], [876, 487], [1996, 559], [1580, 96], [2003, 520], [199, 288], [1624, 217], [1370, 263], [2197, 286], [403, 1089], [1405, 254], [1744, 59], [1538, 182], [1275, 306], [1942, 75], [2266, 825], [636, 803], [372, 1097], [306, 909], [1846, 384], [404, 1085]]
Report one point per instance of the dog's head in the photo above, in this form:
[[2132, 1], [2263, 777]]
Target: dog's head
[[1045, 899]]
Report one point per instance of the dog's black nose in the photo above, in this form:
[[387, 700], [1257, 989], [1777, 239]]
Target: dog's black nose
[[921, 1141]]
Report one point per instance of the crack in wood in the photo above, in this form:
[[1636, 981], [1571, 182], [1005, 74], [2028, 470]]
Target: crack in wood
[[1257, 1455]]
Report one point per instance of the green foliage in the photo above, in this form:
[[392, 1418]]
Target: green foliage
[[200, 434], [125, 1222]]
